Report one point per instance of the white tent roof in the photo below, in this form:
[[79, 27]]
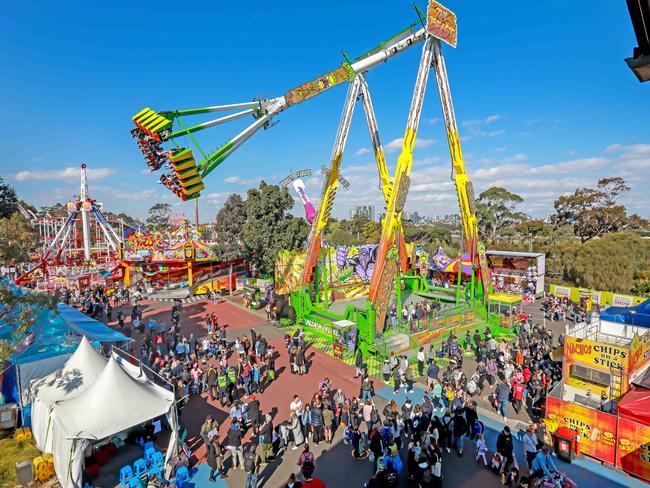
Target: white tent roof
[[78, 373], [115, 402]]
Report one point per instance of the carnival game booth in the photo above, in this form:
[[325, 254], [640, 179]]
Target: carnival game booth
[[77, 375], [117, 402], [517, 273]]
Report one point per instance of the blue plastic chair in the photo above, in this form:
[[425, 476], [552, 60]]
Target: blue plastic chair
[[139, 467], [135, 483], [158, 459], [147, 445], [148, 455], [182, 476], [126, 473]]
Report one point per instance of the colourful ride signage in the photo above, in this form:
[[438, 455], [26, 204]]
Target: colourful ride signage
[[441, 23]]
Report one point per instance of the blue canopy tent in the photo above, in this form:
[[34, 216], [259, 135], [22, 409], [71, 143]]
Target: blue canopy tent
[[47, 345], [638, 315]]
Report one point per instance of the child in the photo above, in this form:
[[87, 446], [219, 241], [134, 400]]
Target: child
[[481, 449]]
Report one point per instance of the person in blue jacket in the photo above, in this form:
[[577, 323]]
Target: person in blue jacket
[[543, 465]]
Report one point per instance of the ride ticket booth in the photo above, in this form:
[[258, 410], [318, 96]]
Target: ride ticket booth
[[344, 333], [253, 297], [507, 307]]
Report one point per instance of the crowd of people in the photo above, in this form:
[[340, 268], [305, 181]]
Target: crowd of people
[[411, 438]]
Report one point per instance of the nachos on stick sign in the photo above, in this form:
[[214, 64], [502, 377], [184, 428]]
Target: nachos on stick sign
[[441, 23]]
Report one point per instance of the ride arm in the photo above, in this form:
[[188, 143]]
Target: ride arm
[[380, 158], [383, 277], [330, 185], [464, 188]]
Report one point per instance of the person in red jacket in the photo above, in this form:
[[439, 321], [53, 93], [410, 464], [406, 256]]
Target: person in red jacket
[[518, 396]]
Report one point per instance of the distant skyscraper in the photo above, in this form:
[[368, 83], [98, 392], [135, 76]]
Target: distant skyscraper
[[362, 212]]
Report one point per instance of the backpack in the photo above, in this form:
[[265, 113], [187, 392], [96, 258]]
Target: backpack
[[374, 415], [387, 436], [249, 461], [478, 427]]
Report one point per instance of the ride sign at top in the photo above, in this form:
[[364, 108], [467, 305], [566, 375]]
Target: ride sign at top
[[441, 23]]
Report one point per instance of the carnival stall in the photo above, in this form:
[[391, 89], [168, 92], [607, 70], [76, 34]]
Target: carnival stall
[[507, 307], [517, 273], [598, 399]]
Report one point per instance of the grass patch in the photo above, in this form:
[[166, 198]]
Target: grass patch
[[12, 452]]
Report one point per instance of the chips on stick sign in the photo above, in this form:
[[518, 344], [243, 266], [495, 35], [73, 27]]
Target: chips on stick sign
[[441, 23]]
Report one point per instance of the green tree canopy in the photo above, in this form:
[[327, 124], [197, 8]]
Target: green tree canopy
[[159, 216], [8, 200], [594, 212], [496, 209], [615, 262], [269, 227], [229, 226], [17, 239]]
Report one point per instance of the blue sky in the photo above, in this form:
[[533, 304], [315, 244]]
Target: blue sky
[[544, 100]]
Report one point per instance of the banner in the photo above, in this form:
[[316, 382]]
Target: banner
[[622, 300], [441, 23], [584, 359], [597, 429], [633, 453], [639, 352], [595, 297], [595, 354], [561, 291]]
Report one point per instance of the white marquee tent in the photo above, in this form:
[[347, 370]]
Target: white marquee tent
[[115, 402], [77, 375]]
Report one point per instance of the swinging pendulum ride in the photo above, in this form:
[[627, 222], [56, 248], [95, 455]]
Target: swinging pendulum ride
[[185, 177]]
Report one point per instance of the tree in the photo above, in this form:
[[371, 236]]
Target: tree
[[371, 232], [269, 227], [496, 209], [56, 210], [159, 216], [622, 260], [8, 200], [17, 239], [594, 212], [229, 227]]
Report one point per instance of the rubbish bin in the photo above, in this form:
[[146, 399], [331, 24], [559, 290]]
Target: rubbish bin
[[564, 442]]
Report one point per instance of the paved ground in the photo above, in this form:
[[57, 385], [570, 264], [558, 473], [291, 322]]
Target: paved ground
[[335, 464]]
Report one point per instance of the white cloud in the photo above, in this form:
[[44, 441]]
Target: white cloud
[[362, 151], [517, 158], [359, 168], [237, 180], [426, 161], [70, 173], [632, 151], [487, 120], [396, 144], [501, 149], [431, 121], [573, 166]]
